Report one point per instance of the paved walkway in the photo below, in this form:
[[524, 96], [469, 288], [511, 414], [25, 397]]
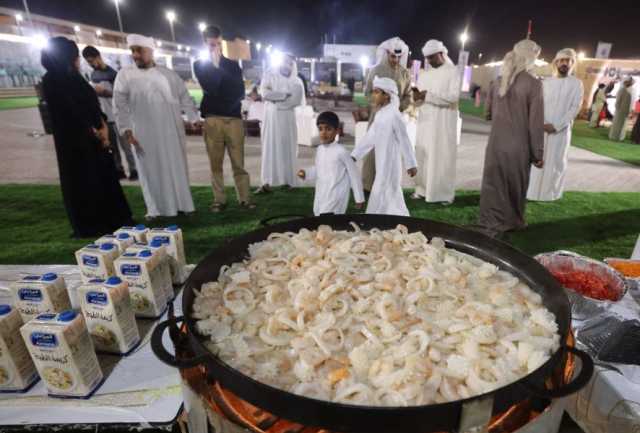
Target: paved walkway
[[31, 159]]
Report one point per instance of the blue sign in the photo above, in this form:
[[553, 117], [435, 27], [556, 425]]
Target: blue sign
[[43, 339]]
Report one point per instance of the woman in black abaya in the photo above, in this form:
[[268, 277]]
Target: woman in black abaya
[[92, 195]]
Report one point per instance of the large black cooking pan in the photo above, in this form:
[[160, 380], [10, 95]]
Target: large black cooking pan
[[350, 418]]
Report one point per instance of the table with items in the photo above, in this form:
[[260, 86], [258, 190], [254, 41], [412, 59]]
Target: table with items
[[125, 390]]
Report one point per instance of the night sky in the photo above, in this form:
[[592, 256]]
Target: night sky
[[299, 25]]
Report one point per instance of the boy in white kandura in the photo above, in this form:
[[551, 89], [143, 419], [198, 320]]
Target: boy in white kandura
[[388, 134], [335, 173]]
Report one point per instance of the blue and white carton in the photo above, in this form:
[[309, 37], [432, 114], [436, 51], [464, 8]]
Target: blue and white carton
[[17, 371], [121, 240], [172, 238], [144, 272], [63, 353], [139, 232], [106, 307], [37, 294], [96, 261]]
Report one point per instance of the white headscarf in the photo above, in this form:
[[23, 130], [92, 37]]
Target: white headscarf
[[293, 77], [565, 53], [434, 46], [388, 86], [395, 45], [521, 58], [140, 41]]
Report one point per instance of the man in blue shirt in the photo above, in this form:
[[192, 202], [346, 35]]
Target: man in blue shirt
[[223, 91], [102, 79]]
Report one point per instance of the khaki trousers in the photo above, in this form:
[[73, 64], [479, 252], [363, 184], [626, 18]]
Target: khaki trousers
[[222, 133]]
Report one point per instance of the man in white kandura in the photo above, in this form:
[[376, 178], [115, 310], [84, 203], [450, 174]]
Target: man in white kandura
[[392, 56], [148, 102], [437, 135], [388, 135], [562, 101], [282, 90]]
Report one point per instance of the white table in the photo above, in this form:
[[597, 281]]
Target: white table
[[139, 389]]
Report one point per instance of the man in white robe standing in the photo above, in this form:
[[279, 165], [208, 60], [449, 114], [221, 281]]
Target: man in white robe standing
[[282, 90], [148, 102], [562, 95], [437, 135], [392, 56]]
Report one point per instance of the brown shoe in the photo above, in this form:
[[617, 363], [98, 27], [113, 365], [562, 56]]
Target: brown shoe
[[217, 207], [248, 205]]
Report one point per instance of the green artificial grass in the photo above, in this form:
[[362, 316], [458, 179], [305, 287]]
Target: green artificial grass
[[360, 99], [596, 140], [35, 230], [468, 106], [196, 94], [22, 102]]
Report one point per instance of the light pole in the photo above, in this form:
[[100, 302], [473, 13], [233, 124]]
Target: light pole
[[76, 30], [98, 35], [117, 2], [464, 37], [26, 10], [171, 16], [202, 27], [19, 23]]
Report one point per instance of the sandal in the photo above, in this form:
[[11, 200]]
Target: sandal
[[264, 189], [217, 207], [248, 205]]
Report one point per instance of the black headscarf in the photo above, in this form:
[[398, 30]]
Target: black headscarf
[[59, 56]]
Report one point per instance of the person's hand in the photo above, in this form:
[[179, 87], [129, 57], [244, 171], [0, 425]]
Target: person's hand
[[538, 164], [549, 128], [301, 174], [103, 135], [419, 96], [360, 206], [133, 142], [412, 172], [99, 89]]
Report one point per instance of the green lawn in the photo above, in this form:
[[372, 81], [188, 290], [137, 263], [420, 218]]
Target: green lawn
[[467, 106], [360, 99], [33, 222], [22, 102], [596, 140], [593, 140], [196, 94]]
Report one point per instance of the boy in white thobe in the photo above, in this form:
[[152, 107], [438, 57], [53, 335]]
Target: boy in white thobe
[[335, 173], [438, 135], [388, 135], [148, 101], [562, 101], [282, 92]]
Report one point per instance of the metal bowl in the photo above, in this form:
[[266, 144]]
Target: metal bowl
[[584, 307]]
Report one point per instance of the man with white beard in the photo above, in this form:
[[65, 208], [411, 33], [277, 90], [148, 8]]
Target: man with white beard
[[282, 92], [562, 95], [437, 135], [148, 101]]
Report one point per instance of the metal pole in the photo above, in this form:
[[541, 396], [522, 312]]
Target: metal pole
[[117, 2], [173, 34], [26, 10]]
